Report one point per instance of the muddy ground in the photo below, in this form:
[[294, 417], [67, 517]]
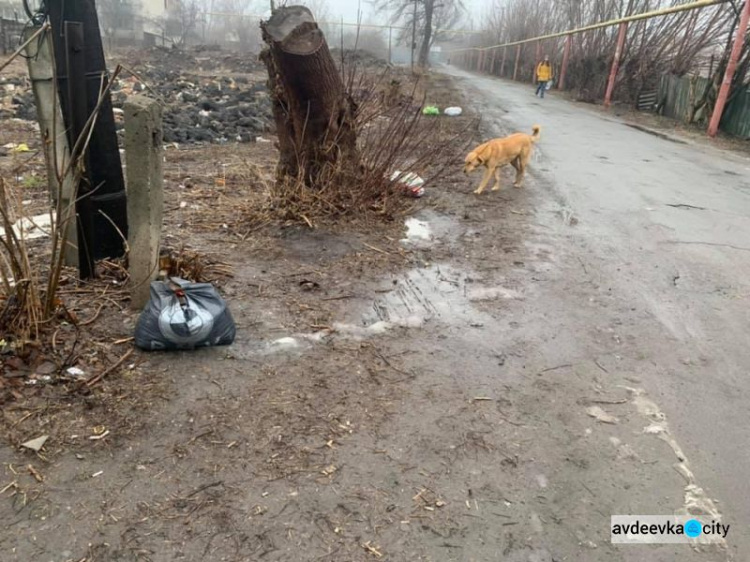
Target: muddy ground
[[466, 382]]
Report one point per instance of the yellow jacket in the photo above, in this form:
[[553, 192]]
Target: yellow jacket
[[544, 72]]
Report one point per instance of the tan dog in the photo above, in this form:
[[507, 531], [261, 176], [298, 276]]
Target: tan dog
[[493, 155]]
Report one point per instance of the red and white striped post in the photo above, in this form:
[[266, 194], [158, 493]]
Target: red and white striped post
[[518, 58], [566, 58], [726, 83], [615, 63]]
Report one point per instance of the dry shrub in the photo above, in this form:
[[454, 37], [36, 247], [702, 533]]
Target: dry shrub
[[392, 134]]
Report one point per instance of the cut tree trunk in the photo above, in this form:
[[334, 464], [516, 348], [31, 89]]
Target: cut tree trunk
[[314, 115]]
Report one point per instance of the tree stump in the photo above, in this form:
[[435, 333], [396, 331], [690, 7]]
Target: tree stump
[[314, 115]]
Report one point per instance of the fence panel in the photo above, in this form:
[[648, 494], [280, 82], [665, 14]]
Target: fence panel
[[679, 94]]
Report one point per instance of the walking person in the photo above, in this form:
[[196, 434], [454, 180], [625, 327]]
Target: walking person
[[543, 76]]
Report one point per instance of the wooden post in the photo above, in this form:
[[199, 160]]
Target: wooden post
[[518, 58], [566, 58], [615, 64], [538, 53], [492, 62], [726, 83], [502, 63]]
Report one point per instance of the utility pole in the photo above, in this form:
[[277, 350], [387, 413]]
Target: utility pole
[[102, 217], [413, 34]]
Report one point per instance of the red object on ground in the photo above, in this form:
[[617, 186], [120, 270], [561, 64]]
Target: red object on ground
[[726, 83]]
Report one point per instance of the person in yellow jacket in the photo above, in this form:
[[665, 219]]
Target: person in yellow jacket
[[543, 75]]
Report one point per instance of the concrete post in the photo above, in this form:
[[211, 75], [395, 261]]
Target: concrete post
[[54, 139], [145, 181]]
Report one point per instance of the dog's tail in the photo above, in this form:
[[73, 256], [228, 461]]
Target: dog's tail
[[536, 129]]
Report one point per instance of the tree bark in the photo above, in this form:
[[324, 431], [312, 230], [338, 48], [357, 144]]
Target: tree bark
[[314, 115], [424, 51]]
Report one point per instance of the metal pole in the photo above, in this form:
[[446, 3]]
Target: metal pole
[[518, 58], [615, 64], [609, 23], [566, 58], [75, 64], [103, 170], [390, 34], [726, 83], [413, 34]]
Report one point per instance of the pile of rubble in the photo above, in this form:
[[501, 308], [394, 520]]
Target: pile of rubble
[[199, 109], [208, 96]]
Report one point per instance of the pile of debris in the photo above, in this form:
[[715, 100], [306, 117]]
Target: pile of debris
[[200, 109], [208, 97]]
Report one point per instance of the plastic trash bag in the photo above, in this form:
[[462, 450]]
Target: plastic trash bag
[[431, 110], [410, 183], [453, 111], [184, 315], [548, 86]]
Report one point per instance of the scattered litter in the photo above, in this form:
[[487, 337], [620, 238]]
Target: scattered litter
[[482, 398], [35, 473], [36, 444], [261, 139], [329, 470], [431, 110], [453, 111], [372, 549], [99, 437], [96, 474], [23, 147], [75, 372], [410, 183], [599, 414]]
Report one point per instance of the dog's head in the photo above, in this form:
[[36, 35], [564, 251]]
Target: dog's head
[[472, 162]]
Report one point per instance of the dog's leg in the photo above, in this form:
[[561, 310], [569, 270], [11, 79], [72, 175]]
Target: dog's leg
[[485, 181], [521, 162], [497, 179]]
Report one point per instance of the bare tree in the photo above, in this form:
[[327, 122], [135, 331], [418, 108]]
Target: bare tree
[[424, 16], [117, 16], [654, 47]]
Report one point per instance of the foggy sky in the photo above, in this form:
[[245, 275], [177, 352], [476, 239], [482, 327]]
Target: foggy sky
[[348, 10]]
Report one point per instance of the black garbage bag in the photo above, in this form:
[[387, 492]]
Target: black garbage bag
[[184, 315]]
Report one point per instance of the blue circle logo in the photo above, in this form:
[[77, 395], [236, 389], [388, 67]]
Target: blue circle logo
[[693, 528]]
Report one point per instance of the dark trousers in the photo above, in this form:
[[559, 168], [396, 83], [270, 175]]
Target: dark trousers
[[540, 89]]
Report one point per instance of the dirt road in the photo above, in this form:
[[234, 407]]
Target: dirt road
[[536, 361]]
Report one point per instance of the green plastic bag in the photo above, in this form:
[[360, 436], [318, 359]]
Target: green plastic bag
[[430, 110]]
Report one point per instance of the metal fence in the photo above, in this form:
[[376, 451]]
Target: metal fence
[[10, 34], [677, 96]]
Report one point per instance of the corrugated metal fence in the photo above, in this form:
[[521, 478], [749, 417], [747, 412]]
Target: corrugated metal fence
[[677, 95]]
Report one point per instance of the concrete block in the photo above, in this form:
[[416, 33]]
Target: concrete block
[[145, 184]]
